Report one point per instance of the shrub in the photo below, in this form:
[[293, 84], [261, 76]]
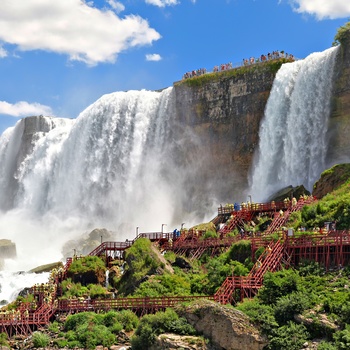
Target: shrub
[[86, 264], [152, 325], [342, 339], [40, 340], [128, 319], [54, 327], [289, 337], [341, 34], [240, 251], [326, 346], [91, 335], [260, 314], [3, 340], [277, 285], [96, 291], [60, 343], [289, 305]]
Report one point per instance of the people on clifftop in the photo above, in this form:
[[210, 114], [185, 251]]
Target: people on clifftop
[[252, 60]]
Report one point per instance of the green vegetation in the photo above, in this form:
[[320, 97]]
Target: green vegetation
[[3, 340], [152, 325], [77, 290], [333, 207], [322, 301], [86, 264], [40, 340], [272, 66], [88, 329], [141, 261], [293, 306], [341, 34]]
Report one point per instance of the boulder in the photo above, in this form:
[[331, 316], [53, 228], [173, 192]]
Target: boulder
[[175, 341], [7, 249], [225, 327], [289, 192], [331, 179], [47, 267]]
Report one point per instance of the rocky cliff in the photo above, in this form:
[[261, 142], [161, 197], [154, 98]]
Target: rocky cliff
[[339, 128], [216, 128], [222, 113]]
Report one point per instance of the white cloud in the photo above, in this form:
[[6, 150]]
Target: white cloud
[[72, 27], [323, 8], [153, 57], [3, 52], [24, 109], [162, 3], [116, 5]]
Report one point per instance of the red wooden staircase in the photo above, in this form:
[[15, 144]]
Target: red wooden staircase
[[236, 288], [281, 219]]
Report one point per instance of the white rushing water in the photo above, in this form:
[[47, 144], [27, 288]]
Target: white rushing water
[[113, 167], [12, 283], [123, 164], [293, 132]]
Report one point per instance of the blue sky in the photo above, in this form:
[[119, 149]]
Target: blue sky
[[58, 57]]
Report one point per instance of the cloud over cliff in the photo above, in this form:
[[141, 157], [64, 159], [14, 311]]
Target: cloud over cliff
[[323, 9]]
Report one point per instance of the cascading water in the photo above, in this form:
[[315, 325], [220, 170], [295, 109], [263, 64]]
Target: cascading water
[[112, 167], [12, 283], [293, 133]]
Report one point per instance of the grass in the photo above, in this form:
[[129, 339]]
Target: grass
[[271, 66]]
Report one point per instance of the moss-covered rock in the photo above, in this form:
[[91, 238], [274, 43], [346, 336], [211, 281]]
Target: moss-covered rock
[[331, 179], [142, 261], [87, 270], [47, 267]]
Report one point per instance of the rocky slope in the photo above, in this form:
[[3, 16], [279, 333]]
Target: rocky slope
[[227, 328]]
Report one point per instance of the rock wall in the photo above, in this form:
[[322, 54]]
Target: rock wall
[[220, 116], [339, 127]]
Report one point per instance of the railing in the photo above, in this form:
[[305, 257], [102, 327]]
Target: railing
[[125, 303]]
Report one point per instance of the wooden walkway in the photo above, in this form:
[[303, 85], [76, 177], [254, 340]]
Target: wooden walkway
[[329, 249]]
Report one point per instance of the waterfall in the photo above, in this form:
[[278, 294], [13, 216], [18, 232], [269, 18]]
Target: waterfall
[[107, 279], [293, 132], [12, 283], [113, 167]]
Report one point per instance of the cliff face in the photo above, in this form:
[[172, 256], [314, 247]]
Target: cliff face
[[222, 114], [339, 128]]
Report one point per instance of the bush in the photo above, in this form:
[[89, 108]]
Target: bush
[[289, 305], [54, 327], [86, 264], [326, 346], [3, 340], [277, 285], [96, 291], [260, 314], [342, 339], [40, 340], [151, 326], [240, 251], [91, 335], [289, 337], [61, 343], [341, 34]]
